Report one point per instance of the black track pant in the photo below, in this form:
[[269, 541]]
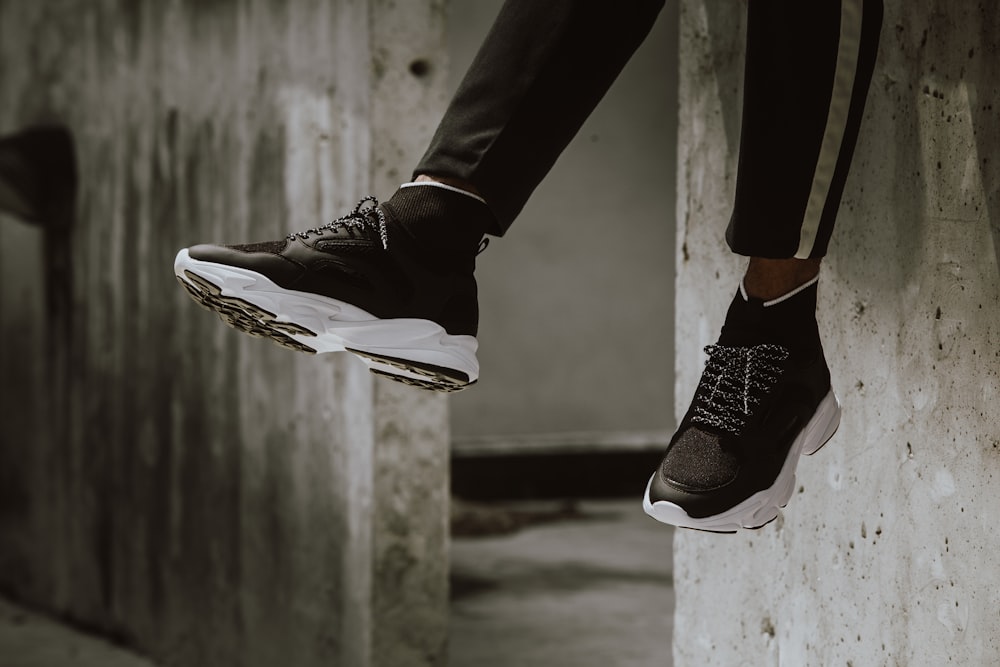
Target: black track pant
[[546, 63]]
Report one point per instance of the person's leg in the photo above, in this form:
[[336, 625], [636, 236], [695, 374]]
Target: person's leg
[[765, 396], [540, 72], [393, 282], [808, 69]]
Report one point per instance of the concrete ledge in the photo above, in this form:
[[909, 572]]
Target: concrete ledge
[[588, 442], [28, 639]]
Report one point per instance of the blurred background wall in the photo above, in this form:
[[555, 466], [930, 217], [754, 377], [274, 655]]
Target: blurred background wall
[[208, 498], [576, 325]]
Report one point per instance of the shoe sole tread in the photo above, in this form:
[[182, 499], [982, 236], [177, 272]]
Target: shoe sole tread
[[261, 322]]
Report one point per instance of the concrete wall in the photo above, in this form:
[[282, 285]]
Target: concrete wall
[[889, 553], [208, 498], [576, 301]]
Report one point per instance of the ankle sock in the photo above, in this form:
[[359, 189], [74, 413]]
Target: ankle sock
[[443, 186], [788, 295], [789, 320], [441, 217]]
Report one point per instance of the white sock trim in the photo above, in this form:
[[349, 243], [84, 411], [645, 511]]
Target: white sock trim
[[783, 297], [444, 186]]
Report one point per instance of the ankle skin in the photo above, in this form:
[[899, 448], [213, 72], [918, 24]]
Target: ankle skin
[[769, 279], [447, 180]]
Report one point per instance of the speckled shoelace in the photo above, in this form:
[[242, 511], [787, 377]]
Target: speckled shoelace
[[734, 382], [362, 217]]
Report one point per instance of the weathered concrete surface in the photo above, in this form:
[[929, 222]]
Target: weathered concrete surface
[[28, 639], [204, 497], [889, 553], [582, 586]]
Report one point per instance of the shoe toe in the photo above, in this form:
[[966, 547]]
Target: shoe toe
[[697, 462], [277, 268]]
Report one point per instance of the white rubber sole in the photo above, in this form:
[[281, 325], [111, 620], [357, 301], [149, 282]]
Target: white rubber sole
[[415, 351], [762, 507]]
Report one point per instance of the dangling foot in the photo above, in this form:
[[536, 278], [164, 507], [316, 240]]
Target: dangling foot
[[764, 399], [391, 283]]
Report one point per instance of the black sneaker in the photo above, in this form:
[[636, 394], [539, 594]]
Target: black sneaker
[[362, 284], [764, 400]]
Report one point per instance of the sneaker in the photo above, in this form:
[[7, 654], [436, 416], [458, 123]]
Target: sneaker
[[764, 400], [363, 284]]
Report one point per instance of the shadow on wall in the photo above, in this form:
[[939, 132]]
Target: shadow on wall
[[38, 175], [943, 123], [985, 107], [955, 179], [721, 18], [38, 184]]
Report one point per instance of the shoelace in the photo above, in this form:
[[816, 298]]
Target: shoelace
[[362, 217], [734, 382]]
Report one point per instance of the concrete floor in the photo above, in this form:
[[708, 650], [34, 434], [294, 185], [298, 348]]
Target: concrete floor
[[588, 585], [31, 640], [590, 589]]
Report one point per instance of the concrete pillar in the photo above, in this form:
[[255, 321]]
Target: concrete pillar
[[411, 500], [888, 555], [207, 498]]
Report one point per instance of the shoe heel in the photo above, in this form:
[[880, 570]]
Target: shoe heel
[[823, 425]]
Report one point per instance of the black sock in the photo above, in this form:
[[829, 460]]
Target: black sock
[[443, 220], [789, 321]]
